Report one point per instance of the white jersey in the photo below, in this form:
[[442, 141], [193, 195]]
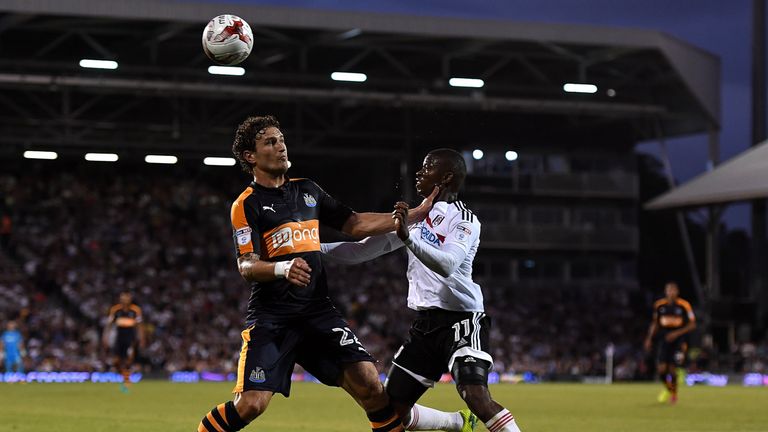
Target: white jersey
[[455, 231]]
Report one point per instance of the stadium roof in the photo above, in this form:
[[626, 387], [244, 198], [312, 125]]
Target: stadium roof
[[742, 178], [162, 96]]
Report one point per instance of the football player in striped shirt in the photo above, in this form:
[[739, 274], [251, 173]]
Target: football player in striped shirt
[[451, 331], [290, 318], [128, 321], [672, 321]]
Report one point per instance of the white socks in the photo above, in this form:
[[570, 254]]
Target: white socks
[[425, 418], [502, 422]]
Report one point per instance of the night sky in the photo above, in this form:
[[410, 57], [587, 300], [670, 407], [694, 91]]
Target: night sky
[[722, 27]]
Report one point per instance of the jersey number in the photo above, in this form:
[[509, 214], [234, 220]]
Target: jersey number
[[457, 329], [347, 337]]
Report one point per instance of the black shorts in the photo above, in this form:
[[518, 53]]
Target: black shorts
[[124, 347], [672, 352], [321, 343], [438, 338]]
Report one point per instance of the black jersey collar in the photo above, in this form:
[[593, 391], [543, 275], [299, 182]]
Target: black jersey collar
[[264, 188]]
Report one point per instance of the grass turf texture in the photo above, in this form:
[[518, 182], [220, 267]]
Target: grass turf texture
[[163, 406]]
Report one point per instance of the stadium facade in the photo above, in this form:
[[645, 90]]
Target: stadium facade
[[563, 214]]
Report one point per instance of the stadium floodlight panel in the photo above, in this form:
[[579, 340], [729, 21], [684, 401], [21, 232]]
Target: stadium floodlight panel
[[511, 155], [466, 82], [101, 157], [579, 88], [349, 76], [477, 154], [219, 161], [226, 70], [161, 159], [36, 154], [349, 34], [98, 64]]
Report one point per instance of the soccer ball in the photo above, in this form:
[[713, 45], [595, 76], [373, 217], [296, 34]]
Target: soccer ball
[[227, 40]]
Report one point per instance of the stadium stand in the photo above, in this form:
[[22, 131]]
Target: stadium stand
[[168, 240]]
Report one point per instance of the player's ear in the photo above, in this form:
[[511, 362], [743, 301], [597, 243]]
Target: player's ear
[[447, 178], [249, 156]]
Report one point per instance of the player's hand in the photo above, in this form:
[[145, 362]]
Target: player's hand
[[647, 344], [670, 337], [400, 215], [419, 213], [299, 273]]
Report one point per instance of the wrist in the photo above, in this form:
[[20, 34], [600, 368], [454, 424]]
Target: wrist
[[415, 214], [282, 268]]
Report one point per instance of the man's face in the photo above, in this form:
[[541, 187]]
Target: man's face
[[271, 154], [430, 175], [125, 298], [671, 290], [11, 325]]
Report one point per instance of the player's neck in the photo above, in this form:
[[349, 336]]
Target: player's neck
[[447, 196], [263, 178]]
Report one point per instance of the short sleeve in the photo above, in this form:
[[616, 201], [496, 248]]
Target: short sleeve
[[244, 227], [332, 212]]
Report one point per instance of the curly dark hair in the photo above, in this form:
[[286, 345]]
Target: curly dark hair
[[246, 134]]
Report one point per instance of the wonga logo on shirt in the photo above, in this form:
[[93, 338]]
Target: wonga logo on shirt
[[291, 237]]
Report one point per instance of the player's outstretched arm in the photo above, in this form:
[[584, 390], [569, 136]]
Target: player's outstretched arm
[[252, 269], [371, 224], [361, 251]]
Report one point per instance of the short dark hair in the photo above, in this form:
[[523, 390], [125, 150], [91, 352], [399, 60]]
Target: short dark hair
[[454, 161], [245, 137]]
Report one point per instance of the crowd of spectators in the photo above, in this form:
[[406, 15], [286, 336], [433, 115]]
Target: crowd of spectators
[[78, 240]]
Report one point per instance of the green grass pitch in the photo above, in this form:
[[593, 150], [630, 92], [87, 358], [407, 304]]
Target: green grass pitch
[[163, 406]]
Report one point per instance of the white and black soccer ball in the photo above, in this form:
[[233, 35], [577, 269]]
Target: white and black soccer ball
[[227, 40]]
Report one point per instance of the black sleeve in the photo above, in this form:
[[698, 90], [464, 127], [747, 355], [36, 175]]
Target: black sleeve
[[332, 213]]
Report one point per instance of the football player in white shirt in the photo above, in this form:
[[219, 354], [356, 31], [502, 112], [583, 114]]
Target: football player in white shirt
[[451, 331]]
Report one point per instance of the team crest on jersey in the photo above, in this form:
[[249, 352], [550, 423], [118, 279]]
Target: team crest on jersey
[[257, 375], [309, 200], [437, 220], [243, 236]]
